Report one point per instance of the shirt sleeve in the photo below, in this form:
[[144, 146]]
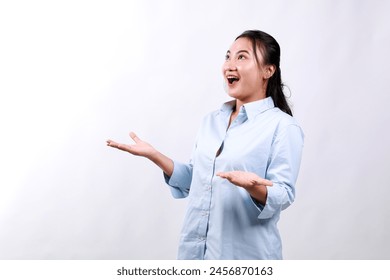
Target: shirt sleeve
[[180, 180], [283, 167]]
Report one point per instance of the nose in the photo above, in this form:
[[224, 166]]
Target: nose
[[229, 65]]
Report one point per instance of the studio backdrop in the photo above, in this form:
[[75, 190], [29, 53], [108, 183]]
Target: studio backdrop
[[76, 73]]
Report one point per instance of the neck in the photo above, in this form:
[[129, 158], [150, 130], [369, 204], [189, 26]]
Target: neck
[[239, 102], [238, 105]]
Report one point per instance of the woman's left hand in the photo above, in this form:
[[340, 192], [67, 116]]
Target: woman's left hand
[[251, 182], [246, 180]]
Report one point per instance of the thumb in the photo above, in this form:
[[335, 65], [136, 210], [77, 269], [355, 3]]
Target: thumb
[[134, 137]]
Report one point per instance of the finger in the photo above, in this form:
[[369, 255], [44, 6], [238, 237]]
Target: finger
[[134, 137], [110, 143], [119, 146], [269, 183], [264, 182], [123, 147], [224, 175]]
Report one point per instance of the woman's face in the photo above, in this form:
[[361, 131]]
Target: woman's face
[[246, 79]]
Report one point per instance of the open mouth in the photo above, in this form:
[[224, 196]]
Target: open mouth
[[232, 79]]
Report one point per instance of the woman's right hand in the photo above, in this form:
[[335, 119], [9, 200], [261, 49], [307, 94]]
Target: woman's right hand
[[140, 148], [143, 149]]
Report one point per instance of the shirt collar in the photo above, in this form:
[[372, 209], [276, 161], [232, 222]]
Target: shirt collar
[[252, 109]]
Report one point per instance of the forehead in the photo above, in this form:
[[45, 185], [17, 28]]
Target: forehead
[[245, 44], [241, 44]]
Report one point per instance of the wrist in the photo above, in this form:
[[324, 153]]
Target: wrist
[[154, 155], [259, 192]]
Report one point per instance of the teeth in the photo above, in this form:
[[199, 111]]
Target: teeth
[[231, 79]]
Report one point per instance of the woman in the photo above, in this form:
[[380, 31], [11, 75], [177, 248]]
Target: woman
[[245, 162]]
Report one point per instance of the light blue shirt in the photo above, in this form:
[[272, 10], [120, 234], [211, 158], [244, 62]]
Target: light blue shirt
[[222, 220]]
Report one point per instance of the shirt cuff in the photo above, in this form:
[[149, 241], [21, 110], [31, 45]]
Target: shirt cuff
[[180, 180], [275, 198]]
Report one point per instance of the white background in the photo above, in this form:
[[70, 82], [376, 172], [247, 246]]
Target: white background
[[75, 73]]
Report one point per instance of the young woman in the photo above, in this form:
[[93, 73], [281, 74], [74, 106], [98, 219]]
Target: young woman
[[245, 162]]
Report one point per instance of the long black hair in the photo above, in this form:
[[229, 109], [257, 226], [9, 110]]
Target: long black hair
[[270, 50]]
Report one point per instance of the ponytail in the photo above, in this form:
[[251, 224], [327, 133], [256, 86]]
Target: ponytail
[[270, 50]]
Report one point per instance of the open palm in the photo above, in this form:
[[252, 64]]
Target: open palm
[[140, 148]]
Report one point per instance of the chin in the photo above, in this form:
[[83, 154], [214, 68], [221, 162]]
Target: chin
[[235, 95]]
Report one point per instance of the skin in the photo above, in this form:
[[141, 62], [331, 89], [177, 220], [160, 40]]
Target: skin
[[240, 62], [144, 149], [251, 86]]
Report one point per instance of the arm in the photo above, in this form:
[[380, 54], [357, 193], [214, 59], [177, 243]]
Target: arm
[[177, 175], [144, 149], [251, 182], [283, 168], [278, 192]]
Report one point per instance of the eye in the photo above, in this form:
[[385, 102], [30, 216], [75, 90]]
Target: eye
[[241, 57], [227, 57]]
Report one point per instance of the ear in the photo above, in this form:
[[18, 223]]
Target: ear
[[269, 70]]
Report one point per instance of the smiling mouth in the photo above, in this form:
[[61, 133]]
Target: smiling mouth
[[232, 79]]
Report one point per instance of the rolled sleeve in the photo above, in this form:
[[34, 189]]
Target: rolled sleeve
[[283, 168], [180, 180]]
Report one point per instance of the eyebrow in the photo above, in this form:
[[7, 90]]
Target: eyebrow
[[240, 51]]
